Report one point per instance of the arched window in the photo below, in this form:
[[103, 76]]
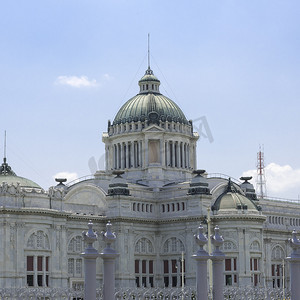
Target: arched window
[[38, 240], [76, 245], [173, 245], [277, 253], [255, 246], [276, 266], [143, 245]]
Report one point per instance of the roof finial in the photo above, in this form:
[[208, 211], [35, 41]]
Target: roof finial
[[148, 50], [5, 169], [4, 158]]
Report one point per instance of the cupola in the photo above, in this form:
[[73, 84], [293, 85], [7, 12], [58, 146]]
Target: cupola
[[232, 200]]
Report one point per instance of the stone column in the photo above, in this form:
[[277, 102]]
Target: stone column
[[126, 155], [122, 156], [108, 255], [90, 255], [201, 257], [173, 154], [218, 265], [140, 154], [180, 154], [132, 155], [188, 156], [294, 260], [184, 155], [167, 153]]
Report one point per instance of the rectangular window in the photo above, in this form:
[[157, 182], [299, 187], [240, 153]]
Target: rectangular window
[[47, 263], [255, 264], [37, 268], [228, 279], [137, 266], [29, 263], [40, 280], [174, 281], [234, 264], [29, 280], [144, 282], [40, 263], [143, 266], [150, 266], [71, 266], [228, 264], [273, 270], [137, 281], [78, 266], [166, 281], [255, 279], [166, 267], [151, 281], [174, 266]]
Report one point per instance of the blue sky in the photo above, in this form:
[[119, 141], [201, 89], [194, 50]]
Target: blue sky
[[67, 67]]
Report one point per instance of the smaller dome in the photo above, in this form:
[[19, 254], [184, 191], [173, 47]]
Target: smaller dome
[[233, 199], [23, 182], [149, 76], [9, 176]]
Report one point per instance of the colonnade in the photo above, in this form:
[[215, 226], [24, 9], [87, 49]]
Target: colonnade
[[177, 154], [134, 154], [127, 155]]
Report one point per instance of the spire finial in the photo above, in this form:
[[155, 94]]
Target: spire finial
[[4, 158], [148, 50]]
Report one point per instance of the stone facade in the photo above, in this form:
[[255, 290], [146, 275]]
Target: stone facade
[[155, 199]]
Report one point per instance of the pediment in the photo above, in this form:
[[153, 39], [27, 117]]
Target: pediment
[[154, 128]]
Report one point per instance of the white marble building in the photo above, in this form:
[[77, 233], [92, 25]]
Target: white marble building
[[155, 199]]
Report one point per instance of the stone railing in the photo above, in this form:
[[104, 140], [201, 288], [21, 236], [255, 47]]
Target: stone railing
[[189, 293]]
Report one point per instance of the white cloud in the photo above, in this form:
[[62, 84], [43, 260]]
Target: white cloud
[[69, 175], [280, 180], [76, 81]]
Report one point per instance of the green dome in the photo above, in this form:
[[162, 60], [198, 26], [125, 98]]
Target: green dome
[[232, 199], [24, 182], [150, 105], [147, 106]]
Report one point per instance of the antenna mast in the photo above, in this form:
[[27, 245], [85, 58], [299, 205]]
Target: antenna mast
[[148, 50], [261, 179], [4, 145]]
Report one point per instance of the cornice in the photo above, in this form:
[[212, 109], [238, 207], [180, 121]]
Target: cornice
[[239, 217]]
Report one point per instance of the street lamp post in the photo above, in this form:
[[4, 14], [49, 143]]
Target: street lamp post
[[182, 274], [283, 279]]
